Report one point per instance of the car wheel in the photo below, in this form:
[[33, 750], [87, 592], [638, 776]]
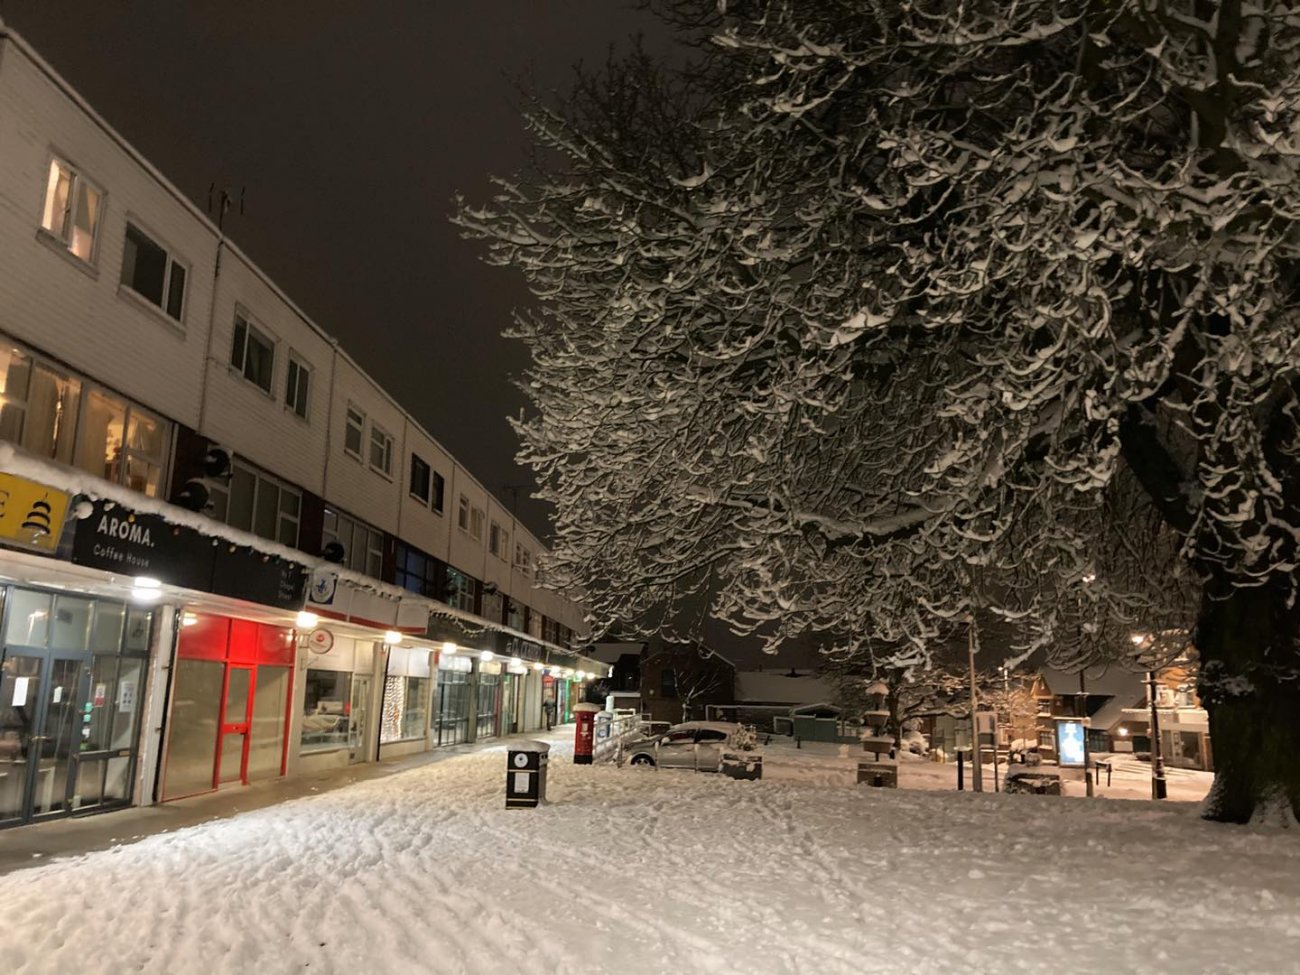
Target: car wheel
[[643, 760]]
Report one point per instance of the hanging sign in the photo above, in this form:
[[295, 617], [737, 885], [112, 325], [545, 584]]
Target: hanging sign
[[320, 640], [31, 514]]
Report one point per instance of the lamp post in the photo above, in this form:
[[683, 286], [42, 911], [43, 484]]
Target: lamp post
[[1159, 787], [976, 773]]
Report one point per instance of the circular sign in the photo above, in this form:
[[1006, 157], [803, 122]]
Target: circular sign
[[521, 759], [320, 640]]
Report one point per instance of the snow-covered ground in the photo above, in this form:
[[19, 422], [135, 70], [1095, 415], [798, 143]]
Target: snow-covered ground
[[632, 870]]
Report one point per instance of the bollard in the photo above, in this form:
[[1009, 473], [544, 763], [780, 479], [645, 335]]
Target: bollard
[[961, 770]]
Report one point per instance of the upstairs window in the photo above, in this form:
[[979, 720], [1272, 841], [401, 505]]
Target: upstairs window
[[462, 514], [259, 504], [55, 415], [152, 273], [297, 386], [72, 210], [476, 522], [381, 450], [498, 540], [439, 486], [253, 354], [523, 558], [460, 590], [419, 486], [363, 546], [354, 432]]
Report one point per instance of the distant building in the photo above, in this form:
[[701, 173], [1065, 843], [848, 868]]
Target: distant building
[[679, 682], [765, 698], [1101, 698]]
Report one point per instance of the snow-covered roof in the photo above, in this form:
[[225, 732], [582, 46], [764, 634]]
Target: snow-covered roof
[[769, 687]]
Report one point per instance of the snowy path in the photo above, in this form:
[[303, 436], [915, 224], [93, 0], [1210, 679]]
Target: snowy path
[[425, 871]]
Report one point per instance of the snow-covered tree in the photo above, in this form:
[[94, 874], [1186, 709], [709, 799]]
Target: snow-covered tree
[[883, 315]]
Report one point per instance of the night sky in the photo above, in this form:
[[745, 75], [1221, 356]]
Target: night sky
[[352, 126]]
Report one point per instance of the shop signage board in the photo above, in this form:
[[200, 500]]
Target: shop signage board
[[258, 578], [120, 540], [31, 514], [513, 646]]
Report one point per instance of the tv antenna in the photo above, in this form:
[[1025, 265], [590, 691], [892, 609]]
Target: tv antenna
[[225, 201]]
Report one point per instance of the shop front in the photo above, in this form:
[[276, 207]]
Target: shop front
[[488, 700], [337, 725], [228, 719], [72, 682], [408, 691], [451, 720]]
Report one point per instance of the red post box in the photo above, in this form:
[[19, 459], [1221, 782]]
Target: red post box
[[585, 736]]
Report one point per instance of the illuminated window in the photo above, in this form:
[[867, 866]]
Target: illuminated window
[[72, 210], [152, 273]]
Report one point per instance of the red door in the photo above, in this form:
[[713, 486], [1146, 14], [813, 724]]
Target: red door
[[236, 720]]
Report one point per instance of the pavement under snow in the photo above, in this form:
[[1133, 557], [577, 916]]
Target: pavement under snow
[[631, 870]]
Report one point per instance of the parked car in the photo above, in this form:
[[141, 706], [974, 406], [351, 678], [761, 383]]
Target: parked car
[[693, 744]]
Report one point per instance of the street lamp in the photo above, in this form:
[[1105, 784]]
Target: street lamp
[[1159, 787]]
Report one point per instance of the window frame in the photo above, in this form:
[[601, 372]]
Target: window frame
[[63, 236], [262, 481], [350, 410], [428, 479], [251, 327], [372, 550], [386, 442], [172, 262], [437, 493], [498, 540], [297, 367]]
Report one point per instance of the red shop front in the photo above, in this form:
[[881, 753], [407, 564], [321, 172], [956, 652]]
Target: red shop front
[[229, 712]]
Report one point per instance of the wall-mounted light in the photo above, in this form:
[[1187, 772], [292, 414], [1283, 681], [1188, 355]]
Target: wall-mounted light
[[449, 647], [539, 665], [189, 619], [516, 663], [486, 656], [306, 620], [145, 583], [392, 638]]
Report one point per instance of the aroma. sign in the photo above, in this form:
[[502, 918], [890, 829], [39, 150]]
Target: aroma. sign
[[120, 540]]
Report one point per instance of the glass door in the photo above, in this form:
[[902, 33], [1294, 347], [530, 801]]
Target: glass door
[[43, 718], [236, 720], [20, 685], [358, 716], [64, 723]]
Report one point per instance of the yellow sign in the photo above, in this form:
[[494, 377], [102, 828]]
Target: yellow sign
[[31, 514]]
